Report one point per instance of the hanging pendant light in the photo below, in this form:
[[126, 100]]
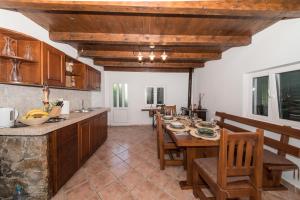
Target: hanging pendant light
[[140, 57], [164, 56], [151, 56]]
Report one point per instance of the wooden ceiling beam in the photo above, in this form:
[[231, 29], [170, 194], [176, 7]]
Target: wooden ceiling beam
[[146, 69], [270, 8], [142, 39], [148, 64], [201, 56]]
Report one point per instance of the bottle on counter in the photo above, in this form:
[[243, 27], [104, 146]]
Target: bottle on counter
[[19, 193]]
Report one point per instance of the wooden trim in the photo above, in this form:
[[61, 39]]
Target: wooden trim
[[211, 8], [286, 130], [148, 64], [146, 69], [201, 56], [114, 38]]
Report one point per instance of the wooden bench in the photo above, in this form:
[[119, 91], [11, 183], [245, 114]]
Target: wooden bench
[[274, 164]]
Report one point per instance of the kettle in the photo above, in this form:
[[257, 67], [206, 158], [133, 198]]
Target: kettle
[[8, 117]]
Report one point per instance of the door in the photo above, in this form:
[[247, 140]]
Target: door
[[53, 66], [119, 102]]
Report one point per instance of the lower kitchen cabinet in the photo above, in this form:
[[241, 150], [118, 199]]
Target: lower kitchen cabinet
[[63, 155], [84, 129], [70, 147]]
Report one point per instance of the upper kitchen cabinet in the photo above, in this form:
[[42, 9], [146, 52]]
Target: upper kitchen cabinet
[[54, 67], [93, 81], [20, 59], [27, 61]]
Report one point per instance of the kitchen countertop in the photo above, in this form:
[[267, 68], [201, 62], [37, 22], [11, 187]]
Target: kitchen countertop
[[49, 127]]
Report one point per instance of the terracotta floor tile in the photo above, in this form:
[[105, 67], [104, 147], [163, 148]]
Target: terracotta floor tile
[[114, 191], [121, 169], [94, 168], [159, 178], [82, 192], [113, 161], [145, 169], [131, 179], [101, 180], [78, 178], [146, 190]]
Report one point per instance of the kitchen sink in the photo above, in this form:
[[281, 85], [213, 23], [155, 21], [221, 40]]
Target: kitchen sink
[[83, 110]]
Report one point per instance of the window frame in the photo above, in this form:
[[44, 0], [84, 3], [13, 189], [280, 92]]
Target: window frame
[[273, 107], [155, 87], [123, 95]]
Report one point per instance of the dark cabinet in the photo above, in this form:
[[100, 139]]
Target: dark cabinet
[[63, 155], [84, 140], [53, 66], [71, 146]]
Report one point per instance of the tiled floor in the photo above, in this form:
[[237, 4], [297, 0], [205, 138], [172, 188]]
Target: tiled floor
[[126, 167]]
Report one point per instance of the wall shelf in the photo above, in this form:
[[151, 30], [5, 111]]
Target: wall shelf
[[16, 58]]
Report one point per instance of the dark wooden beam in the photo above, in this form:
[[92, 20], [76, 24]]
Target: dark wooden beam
[[132, 55], [148, 64], [140, 39], [270, 8], [146, 69]]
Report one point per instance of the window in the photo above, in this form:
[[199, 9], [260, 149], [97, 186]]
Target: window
[[274, 95], [288, 90], [260, 95], [150, 95], [160, 96], [155, 95], [120, 95]]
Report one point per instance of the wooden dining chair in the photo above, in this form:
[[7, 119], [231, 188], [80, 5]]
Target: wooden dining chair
[[165, 145], [170, 110], [237, 172]]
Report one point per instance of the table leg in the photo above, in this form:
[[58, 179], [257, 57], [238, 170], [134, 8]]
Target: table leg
[[191, 154]]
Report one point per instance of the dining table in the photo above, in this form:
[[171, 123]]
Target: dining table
[[195, 147]]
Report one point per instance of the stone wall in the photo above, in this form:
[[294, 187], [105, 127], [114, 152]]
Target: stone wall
[[24, 161]]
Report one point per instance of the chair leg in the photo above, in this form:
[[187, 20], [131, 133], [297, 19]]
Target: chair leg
[[184, 159], [178, 153], [221, 196], [158, 151], [162, 159], [256, 195], [195, 183]]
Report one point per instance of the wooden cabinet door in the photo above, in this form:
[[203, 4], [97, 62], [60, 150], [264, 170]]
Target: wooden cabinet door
[[53, 66], [67, 154], [84, 140], [94, 139], [103, 127]]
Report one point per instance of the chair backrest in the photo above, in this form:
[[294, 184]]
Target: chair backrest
[[170, 110], [241, 154], [285, 132]]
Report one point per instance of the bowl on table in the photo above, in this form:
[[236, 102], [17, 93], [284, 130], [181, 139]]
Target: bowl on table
[[34, 121], [206, 132], [207, 124], [168, 117], [177, 125]]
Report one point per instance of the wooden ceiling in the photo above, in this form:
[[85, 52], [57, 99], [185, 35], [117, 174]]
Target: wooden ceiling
[[190, 32]]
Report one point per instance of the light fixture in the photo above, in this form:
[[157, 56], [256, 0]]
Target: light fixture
[[140, 57], [164, 56], [151, 56]]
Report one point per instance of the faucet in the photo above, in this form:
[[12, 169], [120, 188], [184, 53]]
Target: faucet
[[82, 105]]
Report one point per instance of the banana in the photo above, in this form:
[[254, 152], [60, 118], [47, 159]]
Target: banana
[[35, 113]]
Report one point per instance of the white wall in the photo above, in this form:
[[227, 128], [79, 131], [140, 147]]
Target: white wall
[[17, 22], [222, 80], [176, 86]]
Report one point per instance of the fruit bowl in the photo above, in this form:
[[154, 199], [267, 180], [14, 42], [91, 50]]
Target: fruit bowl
[[34, 121]]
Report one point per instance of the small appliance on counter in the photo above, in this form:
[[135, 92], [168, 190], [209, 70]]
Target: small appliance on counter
[[8, 117], [65, 110]]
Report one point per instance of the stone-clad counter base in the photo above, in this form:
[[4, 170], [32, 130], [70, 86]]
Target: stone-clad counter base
[[24, 161]]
